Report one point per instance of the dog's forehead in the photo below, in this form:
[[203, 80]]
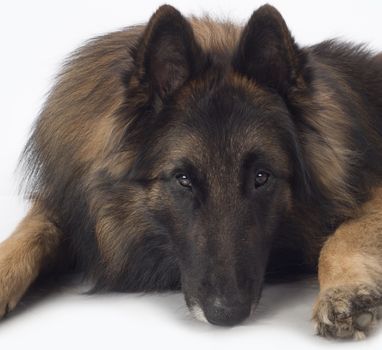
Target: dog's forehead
[[229, 105], [220, 146], [227, 122]]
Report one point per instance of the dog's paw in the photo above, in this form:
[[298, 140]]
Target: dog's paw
[[15, 278], [11, 291], [7, 304], [349, 311]]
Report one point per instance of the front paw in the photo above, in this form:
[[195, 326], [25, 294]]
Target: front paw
[[15, 278], [11, 291], [349, 311]]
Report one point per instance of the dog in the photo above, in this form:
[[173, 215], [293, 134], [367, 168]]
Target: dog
[[200, 155]]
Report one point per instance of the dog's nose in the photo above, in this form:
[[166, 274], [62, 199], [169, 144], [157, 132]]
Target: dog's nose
[[223, 313]]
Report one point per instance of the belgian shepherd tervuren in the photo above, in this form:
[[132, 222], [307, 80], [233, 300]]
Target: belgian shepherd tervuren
[[196, 154]]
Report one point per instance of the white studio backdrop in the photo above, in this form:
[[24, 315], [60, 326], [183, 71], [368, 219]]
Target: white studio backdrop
[[35, 37]]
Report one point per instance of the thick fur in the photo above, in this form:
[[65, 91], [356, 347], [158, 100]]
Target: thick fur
[[104, 144]]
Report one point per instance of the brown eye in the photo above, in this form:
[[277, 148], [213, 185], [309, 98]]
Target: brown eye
[[184, 180], [261, 178]]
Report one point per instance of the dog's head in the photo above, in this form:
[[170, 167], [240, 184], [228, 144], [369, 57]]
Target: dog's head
[[221, 159]]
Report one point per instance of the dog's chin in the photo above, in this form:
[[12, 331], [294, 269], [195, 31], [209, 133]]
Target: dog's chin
[[198, 313]]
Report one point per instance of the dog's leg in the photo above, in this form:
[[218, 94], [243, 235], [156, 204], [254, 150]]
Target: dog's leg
[[30, 249], [350, 275]]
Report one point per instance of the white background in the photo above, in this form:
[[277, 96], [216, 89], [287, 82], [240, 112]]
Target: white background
[[35, 36]]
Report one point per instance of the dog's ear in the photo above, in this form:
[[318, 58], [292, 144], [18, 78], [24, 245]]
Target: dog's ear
[[267, 53], [168, 54]]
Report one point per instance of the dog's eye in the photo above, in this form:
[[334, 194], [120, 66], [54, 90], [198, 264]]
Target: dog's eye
[[184, 180], [261, 178]]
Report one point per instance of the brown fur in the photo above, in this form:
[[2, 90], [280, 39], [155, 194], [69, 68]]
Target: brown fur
[[215, 36], [350, 274], [328, 149], [30, 249]]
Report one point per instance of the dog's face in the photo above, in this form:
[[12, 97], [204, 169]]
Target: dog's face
[[224, 173], [221, 161]]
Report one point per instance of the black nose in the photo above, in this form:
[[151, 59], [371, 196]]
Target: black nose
[[222, 313]]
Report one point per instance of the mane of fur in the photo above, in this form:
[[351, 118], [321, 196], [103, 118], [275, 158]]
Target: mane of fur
[[75, 144]]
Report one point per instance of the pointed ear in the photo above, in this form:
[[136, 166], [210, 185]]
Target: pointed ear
[[267, 52], [168, 54]]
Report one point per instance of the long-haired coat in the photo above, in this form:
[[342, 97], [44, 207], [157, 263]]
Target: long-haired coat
[[196, 154]]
